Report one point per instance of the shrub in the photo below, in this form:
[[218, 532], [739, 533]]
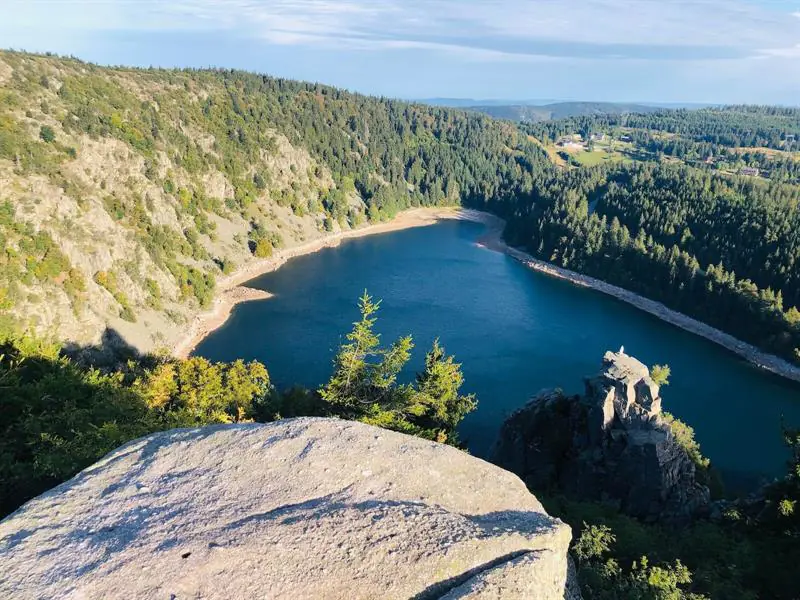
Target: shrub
[[263, 249], [47, 134]]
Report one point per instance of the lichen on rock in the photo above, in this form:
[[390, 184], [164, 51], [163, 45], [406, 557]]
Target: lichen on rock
[[303, 508]]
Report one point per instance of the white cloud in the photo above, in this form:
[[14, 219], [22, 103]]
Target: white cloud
[[512, 30], [790, 52]]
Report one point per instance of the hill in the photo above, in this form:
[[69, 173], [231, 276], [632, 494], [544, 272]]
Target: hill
[[559, 110], [127, 193]]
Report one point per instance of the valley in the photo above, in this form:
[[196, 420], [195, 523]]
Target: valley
[[193, 247]]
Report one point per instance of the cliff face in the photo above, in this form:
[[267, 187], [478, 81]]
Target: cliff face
[[124, 223], [610, 444], [306, 508]]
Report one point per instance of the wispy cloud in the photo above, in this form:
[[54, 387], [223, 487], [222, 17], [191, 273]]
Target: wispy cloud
[[629, 29], [790, 52], [498, 30], [701, 48]]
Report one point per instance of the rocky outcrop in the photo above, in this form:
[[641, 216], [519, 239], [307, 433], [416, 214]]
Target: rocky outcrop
[[610, 444], [305, 508]]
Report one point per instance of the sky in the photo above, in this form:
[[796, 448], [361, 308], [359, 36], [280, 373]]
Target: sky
[[716, 51]]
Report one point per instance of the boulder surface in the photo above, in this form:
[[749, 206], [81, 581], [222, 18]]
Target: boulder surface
[[303, 508], [610, 445]]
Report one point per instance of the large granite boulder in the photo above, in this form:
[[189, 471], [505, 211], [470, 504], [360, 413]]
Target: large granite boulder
[[305, 508], [611, 444]]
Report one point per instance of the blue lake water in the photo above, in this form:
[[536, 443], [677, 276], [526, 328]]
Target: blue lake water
[[515, 332]]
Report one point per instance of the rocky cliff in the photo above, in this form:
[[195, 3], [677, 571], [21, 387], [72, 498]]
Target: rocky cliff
[[305, 508], [611, 444]]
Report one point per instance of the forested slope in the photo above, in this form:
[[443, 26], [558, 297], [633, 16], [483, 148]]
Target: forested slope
[[126, 193], [722, 249]]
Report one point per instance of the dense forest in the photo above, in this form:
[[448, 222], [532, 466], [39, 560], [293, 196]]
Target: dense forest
[[731, 126], [722, 250]]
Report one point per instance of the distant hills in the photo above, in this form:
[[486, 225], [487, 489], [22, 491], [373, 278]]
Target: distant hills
[[560, 110], [531, 111]]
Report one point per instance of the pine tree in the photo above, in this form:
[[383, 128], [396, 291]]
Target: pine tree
[[364, 373], [438, 391]]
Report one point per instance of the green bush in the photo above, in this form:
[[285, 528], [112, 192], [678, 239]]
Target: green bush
[[46, 134], [263, 249], [59, 417]]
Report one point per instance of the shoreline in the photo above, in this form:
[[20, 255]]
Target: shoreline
[[769, 362], [231, 292]]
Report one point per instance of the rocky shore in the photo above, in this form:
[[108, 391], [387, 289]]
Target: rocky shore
[[760, 359], [493, 239]]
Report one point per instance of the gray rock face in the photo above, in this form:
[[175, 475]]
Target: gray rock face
[[305, 508], [610, 444]]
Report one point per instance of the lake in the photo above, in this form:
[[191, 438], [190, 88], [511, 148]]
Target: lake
[[514, 330]]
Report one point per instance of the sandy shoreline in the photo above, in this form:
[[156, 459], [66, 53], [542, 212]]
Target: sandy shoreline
[[230, 292]]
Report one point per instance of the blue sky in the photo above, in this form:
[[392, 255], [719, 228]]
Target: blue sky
[[626, 50]]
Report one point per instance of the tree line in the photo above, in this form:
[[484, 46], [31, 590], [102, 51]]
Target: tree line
[[730, 126], [723, 250]]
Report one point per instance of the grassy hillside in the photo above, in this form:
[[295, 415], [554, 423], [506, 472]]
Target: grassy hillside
[[126, 194]]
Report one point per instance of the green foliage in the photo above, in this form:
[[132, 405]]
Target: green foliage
[[199, 392], [194, 283], [28, 155], [728, 560], [442, 406], [718, 249], [154, 291], [364, 384], [593, 542], [684, 435], [660, 374], [46, 134], [263, 248], [602, 577], [59, 416], [364, 373]]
